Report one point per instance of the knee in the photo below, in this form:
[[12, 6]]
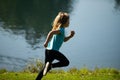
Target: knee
[[66, 63]]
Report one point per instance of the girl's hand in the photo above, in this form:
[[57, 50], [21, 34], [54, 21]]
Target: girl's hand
[[72, 34], [45, 44]]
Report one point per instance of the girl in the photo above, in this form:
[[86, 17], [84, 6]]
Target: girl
[[53, 42]]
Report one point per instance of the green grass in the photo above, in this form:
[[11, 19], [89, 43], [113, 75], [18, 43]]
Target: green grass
[[71, 74]]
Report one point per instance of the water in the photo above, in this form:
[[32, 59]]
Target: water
[[24, 26]]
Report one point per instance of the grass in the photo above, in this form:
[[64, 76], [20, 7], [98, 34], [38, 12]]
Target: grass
[[71, 74]]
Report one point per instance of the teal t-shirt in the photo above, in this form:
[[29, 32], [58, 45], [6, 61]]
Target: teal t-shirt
[[57, 40]]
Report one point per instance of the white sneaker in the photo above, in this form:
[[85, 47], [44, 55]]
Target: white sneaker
[[46, 68]]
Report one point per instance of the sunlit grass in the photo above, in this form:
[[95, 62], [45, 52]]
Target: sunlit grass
[[31, 71], [71, 74]]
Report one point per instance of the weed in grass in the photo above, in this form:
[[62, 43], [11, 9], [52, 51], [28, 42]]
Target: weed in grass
[[3, 71], [34, 66]]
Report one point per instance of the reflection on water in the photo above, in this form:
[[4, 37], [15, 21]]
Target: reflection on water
[[117, 4], [12, 63], [32, 19]]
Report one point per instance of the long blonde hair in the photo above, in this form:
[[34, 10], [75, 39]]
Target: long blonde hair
[[60, 20]]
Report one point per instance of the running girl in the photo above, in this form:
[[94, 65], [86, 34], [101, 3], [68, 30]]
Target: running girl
[[53, 42]]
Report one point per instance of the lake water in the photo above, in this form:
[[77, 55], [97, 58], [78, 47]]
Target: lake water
[[24, 26]]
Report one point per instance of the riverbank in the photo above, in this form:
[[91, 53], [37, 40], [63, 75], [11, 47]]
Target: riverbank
[[71, 74]]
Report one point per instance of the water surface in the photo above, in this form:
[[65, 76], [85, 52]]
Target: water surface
[[24, 26]]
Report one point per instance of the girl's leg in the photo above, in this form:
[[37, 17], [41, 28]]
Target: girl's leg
[[63, 61], [40, 75], [50, 55], [48, 58]]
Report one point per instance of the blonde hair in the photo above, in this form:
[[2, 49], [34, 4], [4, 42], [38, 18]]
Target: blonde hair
[[60, 20]]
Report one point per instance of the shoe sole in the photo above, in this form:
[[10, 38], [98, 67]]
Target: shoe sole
[[46, 68]]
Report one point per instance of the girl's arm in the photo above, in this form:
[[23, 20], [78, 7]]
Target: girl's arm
[[70, 36], [49, 36]]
